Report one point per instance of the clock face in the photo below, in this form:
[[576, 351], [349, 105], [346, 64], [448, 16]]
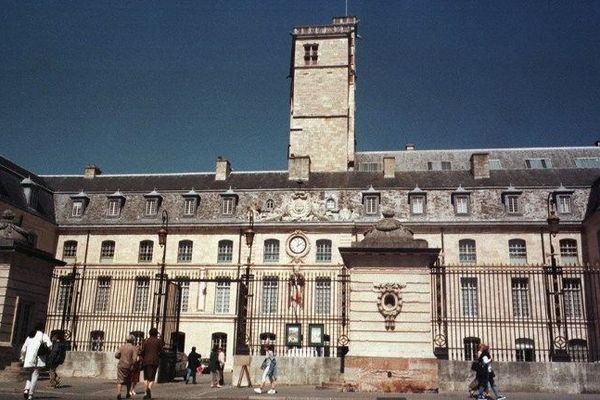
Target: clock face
[[297, 244]]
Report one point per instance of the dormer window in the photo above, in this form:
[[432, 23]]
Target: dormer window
[[512, 199], [228, 202], [417, 199], [371, 200], [77, 209], [190, 203], [115, 203], [462, 201], [563, 199], [153, 200], [79, 204], [538, 163]]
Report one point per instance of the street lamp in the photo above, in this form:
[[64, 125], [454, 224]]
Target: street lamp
[[558, 352], [242, 346], [163, 232]]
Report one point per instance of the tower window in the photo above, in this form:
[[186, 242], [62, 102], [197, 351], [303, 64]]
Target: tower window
[[311, 53]]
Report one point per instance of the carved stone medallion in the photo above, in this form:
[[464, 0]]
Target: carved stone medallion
[[389, 302]]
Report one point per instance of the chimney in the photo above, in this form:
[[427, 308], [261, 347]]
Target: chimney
[[223, 169], [480, 165], [410, 147], [389, 167], [298, 168], [91, 171]]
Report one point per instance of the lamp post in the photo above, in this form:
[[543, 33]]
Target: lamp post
[[163, 232], [559, 342], [242, 345]]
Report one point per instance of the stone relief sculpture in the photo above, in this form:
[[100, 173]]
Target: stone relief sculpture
[[389, 302], [301, 206]]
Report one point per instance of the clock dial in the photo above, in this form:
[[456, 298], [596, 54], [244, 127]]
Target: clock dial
[[297, 244]]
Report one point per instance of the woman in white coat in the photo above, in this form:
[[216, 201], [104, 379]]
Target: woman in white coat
[[31, 360]]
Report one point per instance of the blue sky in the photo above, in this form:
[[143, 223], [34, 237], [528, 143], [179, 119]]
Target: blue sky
[[167, 86]]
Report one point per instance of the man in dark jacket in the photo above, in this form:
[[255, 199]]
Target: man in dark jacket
[[55, 358], [193, 363], [213, 365], [152, 348]]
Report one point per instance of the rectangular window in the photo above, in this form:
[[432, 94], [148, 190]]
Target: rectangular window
[[467, 252], [107, 251], [185, 295], [587, 162], [69, 250], [114, 207], [439, 165], [323, 251], [311, 53], [146, 250], [572, 295], [142, 292], [468, 288], [103, 294], [520, 297], [495, 164], [461, 204], [228, 204], [151, 206], [323, 296], [77, 210], [64, 293], [417, 204], [568, 252], [271, 251], [517, 252], [225, 251], [269, 295], [222, 296], [371, 205], [512, 203], [370, 167], [538, 163], [184, 253], [563, 203], [189, 206]]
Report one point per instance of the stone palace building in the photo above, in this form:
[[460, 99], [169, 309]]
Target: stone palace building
[[384, 261]]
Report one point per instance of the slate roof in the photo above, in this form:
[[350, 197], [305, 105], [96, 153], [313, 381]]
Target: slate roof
[[426, 180]]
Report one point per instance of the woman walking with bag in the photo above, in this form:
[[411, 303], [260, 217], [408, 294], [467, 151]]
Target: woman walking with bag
[[33, 354], [127, 356], [269, 367]]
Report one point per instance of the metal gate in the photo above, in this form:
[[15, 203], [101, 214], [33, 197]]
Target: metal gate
[[526, 313]]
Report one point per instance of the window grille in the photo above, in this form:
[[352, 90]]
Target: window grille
[[467, 252], [103, 294], [517, 251], [572, 297], [146, 250], [525, 350], [323, 296], [520, 297], [64, 290], [471, 347], [568, 252], [70, 249], [185, 294], [269, 295], [107, 251]]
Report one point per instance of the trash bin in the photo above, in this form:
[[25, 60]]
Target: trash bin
[[166, 368]]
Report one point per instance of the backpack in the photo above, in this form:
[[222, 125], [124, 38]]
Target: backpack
[[57, 354]]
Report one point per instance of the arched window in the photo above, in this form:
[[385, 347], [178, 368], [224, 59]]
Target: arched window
[[517, 251], [269, 205], [96, 340], [578, 350], [70, 250], [184, 252], [323, 250], [525, 349], [107, 251], [330, 204], [225, 251], [271, 250], [471, 345], [467, 252], [568, 252], [146, 249]]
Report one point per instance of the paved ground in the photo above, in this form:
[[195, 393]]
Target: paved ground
[[82, 388]]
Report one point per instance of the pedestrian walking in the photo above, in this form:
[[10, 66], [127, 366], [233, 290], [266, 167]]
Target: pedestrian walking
[[213, 365], [151, 352], [33, 355], [127, 356], [221, 358], [485, 373], [269, 367], [56, 358], [193, 363]]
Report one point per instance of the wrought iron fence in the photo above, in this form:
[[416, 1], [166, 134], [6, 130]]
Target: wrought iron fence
[[525, 313], [298, 314]]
